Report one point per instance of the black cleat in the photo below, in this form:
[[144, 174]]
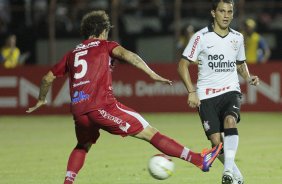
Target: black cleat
[[227, 178]]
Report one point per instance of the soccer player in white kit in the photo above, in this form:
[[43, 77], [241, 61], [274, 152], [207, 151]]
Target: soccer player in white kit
[[220, 53]]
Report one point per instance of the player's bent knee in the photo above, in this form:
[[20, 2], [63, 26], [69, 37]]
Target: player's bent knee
[[229, 122], [147, 133]]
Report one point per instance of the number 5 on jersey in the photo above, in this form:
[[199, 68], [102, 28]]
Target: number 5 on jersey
[[81, 62]]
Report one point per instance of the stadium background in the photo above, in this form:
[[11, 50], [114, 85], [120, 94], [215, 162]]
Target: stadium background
[[47, 29], [34, 149]]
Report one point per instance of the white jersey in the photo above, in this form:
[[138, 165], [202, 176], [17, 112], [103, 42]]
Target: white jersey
[[217, 57]]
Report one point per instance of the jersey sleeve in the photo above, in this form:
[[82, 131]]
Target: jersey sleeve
[[241, 52], [111, 46], [60, 69], [193, 49]]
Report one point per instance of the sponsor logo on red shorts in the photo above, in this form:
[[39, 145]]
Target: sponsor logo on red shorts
[[124, 126]]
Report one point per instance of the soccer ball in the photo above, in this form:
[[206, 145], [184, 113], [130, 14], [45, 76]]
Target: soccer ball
[[161, 166]]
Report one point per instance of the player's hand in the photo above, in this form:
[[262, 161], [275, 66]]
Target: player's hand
[[253, 80], [161, 79], [169, 82], [38, 104], [193, 100]]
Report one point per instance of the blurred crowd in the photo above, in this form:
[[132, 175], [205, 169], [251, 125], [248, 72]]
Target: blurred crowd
[[27, 20]]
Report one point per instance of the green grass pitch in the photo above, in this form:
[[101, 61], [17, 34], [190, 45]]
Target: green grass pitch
[[35, 149]]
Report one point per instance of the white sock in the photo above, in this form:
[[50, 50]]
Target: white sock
[[185, 154], [230, 149], [70, 176], [236, 171]]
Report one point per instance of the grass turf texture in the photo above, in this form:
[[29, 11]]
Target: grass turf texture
[[35, 149]]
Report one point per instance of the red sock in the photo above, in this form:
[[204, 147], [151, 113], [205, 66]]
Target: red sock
[[75, 163], [172, 148], [195, 158]]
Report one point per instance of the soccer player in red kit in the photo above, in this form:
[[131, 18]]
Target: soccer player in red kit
[[93, 104]]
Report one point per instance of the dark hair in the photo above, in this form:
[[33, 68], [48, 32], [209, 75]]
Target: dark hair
[[94, 23], [216, 2]]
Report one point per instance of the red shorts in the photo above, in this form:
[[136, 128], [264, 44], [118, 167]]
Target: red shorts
[[116, 119]]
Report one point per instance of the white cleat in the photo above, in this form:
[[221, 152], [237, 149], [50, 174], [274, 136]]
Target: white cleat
[[238, 180]]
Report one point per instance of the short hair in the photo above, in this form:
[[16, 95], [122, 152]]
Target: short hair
[[94, 23], [216, 2]]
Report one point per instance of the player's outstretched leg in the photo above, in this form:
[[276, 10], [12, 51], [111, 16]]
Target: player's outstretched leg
[[172, 148]]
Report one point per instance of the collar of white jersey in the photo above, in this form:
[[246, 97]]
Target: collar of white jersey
[[210, 29]]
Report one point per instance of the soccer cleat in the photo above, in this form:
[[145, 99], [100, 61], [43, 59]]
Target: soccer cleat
[[209, 156], [238, 180], [227, 178]]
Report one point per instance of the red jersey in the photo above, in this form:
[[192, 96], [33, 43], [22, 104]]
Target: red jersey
[[89, 70]]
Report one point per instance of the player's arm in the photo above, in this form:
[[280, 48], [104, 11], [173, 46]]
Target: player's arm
[[184, 74], [132, 58], [243, 70], [46, 82]]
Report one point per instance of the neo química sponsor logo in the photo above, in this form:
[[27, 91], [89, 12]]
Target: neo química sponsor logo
[[218, 65]]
